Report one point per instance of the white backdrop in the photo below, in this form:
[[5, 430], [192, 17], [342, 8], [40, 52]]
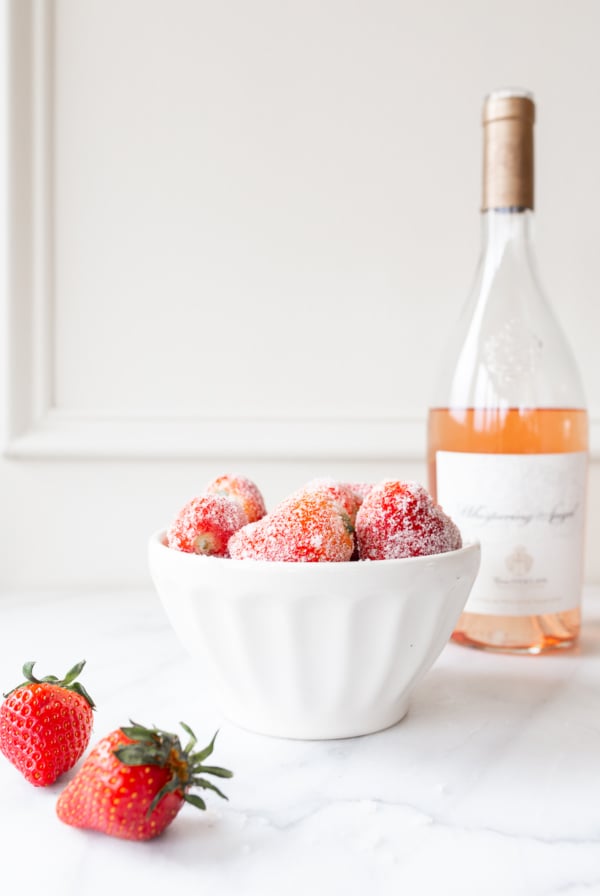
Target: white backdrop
[[237, 234]]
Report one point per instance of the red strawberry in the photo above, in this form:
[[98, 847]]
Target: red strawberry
[[135, 781], [400, 519], [241, 489], [341, 493], [307, 527], [45, 724], [205, 524]]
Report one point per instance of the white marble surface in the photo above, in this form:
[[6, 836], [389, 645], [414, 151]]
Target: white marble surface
[[491, 785]]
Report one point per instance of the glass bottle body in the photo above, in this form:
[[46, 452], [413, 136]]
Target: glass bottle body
[[507, 451]]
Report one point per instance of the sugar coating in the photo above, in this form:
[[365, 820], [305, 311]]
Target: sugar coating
[[360, 490], [341, 493], [308, 527], [400, 519], [205, 525], [241, 489]]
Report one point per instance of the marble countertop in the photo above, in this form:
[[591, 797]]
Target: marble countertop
[[490, 785]]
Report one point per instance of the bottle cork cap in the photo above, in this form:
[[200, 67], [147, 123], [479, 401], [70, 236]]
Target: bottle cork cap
[[508, 118]]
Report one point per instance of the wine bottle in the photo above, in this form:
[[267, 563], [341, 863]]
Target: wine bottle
[[508, 430]]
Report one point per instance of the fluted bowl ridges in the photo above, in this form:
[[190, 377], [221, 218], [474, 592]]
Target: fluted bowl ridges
[[313, 650]]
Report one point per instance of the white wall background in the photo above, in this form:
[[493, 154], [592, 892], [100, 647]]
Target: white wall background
[[236, 236]]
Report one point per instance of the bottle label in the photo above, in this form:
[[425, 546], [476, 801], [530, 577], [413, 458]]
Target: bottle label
[[528, 512]]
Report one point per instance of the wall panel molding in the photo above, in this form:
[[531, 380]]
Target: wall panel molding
[[34, 428]]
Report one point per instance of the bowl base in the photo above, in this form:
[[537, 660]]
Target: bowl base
[[324, 730]]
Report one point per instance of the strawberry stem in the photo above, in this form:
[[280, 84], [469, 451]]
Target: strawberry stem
[[152, 746], [68, 682]]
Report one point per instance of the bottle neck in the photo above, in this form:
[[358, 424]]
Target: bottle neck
[[507, 231]]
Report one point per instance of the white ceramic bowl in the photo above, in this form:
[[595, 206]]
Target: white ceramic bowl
[[313, 650]]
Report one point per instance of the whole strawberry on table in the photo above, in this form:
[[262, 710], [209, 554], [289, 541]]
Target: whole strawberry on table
[[45, 724], [135, 781]]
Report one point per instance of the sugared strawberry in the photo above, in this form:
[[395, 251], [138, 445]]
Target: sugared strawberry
[[341, 493], [241, 489], [307, 527], [205, 525], [399, 519], [45, 724], [135, 781]]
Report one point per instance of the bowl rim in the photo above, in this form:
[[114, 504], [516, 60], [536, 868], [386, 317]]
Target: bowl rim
[[157, 543]]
